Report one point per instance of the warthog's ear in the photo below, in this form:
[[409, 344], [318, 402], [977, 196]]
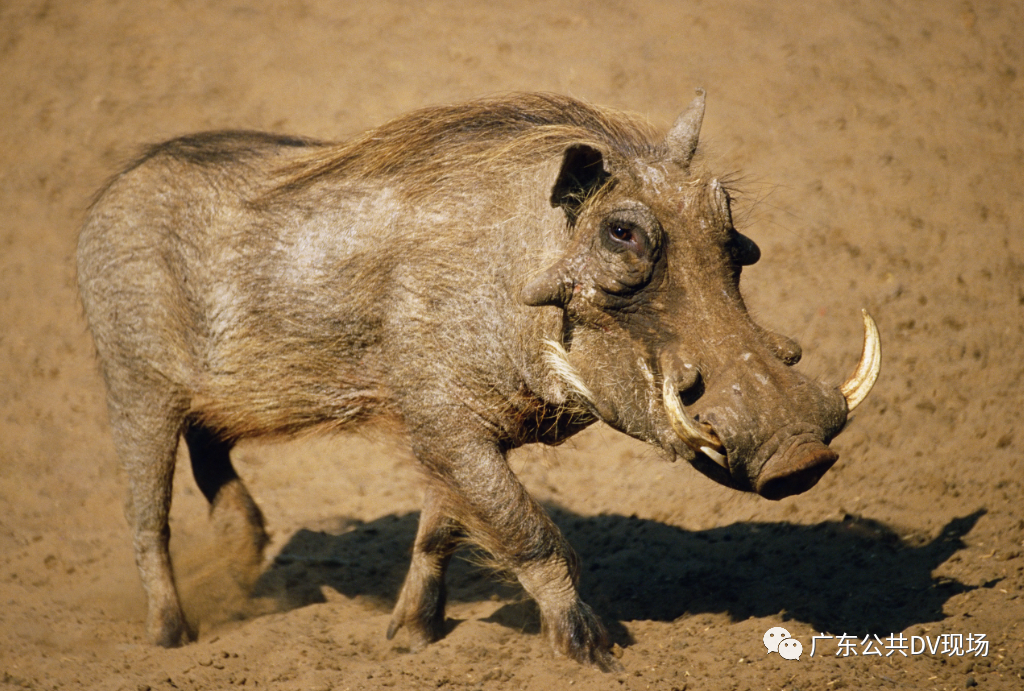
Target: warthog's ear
[[582, 173]]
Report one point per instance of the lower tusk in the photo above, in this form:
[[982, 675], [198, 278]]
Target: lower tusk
[[715, 456], [857, 387], [698, 437]]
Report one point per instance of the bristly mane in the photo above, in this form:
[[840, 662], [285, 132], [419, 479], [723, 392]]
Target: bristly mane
[[430, 144]]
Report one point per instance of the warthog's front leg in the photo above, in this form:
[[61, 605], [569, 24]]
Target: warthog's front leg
[[569, 624], [477, 490]]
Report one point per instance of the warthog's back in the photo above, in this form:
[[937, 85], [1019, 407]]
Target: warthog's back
[[282, 282]]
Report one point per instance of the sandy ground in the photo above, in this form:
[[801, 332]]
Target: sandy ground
[[881, 149]]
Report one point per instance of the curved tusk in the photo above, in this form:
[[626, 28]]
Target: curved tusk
[[698, 437], [857, 387]]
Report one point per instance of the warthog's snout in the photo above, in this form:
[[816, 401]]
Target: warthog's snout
[[795, 468], [770, 433]]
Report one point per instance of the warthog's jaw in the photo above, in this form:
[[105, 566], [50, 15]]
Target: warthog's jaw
[[794, 458]]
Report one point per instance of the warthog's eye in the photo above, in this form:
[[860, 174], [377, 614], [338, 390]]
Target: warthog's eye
[[625, 252], [621, 236]]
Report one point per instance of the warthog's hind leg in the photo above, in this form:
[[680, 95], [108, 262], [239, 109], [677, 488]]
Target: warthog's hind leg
[[146, 438]]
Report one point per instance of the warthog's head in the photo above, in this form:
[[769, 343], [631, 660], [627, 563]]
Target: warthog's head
[[658, 342]]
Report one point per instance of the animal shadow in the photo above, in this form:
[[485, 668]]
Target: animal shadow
[[854, 575]]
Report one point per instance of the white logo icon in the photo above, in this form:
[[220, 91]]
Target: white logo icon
[[780, 641], [774, 636], [790, 648]]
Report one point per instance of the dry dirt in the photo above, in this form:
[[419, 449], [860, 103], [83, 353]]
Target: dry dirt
[[881, 149]]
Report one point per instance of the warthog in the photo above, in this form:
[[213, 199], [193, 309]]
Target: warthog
[[481, 276]]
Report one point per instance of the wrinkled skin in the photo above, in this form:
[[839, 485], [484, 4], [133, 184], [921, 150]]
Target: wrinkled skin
[[480, 276]]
